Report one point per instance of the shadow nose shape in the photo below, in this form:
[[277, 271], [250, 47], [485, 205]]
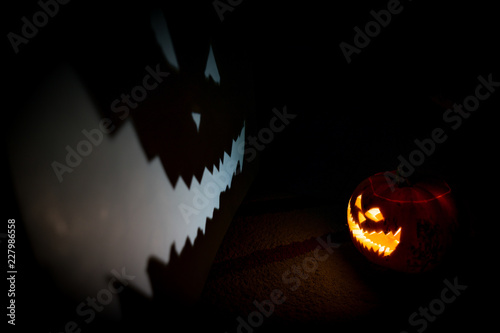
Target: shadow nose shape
[[196, 118]]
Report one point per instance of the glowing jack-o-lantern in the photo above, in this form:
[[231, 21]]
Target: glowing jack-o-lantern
[[406, 228]]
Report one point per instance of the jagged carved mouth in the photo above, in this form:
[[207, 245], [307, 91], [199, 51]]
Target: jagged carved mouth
[[379, 242]]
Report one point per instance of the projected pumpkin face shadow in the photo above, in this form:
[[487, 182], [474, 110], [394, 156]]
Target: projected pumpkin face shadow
[[164, 184], [195, 126], [191, 126], [192, 122]]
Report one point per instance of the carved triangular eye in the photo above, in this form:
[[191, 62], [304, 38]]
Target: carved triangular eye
[[211, 69], [163, 38], [374, 214], [358, 202]]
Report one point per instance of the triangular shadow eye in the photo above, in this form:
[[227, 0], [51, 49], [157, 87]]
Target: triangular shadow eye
[[211, 69], [163, 38]]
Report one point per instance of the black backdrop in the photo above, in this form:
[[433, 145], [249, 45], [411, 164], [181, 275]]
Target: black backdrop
[[352, 119]]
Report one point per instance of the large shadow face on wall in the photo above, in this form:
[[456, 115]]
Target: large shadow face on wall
[[179, 99], [194, 117], [199, 91], [190, 123]]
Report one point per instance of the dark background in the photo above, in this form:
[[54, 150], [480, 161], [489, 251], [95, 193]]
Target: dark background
[[353, 120]]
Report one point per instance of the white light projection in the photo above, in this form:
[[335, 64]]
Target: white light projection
[[211, 70], [203, 197], [196, 118], [115, 209], [162, 34]]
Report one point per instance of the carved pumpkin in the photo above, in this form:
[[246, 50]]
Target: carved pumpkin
[[404, 227]]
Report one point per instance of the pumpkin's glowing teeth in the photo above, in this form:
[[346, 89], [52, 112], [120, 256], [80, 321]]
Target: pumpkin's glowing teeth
[[379, 242]]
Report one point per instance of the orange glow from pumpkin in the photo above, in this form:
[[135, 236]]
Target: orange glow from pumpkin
[[379, 242]]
